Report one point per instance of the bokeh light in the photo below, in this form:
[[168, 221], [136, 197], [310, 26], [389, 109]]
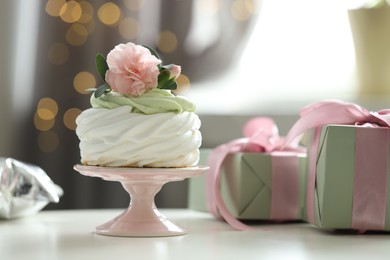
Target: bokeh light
[[167, 41], [84, 80], [41, 124], [47, 108], [109, 13], [58, 53], [129, 28], [71, 12], [48, 141], [76, 34], [53, 7], [134, 5], [242, 10], [70, 118], [87, 11], [183, 85]]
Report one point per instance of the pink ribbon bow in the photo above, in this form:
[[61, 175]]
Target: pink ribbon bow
[[335, 112], [370, 177], [261, 135]]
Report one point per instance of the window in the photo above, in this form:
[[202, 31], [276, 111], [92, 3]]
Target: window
[[299, 52]]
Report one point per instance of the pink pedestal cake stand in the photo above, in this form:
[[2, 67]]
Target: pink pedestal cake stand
[[141, 218]]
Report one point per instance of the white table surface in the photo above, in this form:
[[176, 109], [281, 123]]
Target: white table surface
[[70, 235]]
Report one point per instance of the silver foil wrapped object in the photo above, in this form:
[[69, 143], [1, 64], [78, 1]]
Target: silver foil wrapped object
[[25, 189]]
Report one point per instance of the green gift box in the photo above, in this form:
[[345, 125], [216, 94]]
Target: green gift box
[[335, 166], [246, 185]]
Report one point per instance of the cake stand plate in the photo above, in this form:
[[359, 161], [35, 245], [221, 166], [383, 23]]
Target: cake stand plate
[[141, 218]]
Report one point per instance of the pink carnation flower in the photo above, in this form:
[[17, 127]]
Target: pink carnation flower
[[132, 69]]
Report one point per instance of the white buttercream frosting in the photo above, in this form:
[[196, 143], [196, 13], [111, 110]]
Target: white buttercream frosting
[[117, 137]]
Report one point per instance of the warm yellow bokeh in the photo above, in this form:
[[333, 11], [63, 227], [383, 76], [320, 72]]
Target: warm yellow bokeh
[[45, 114], [242, 10], [84, 80], [41, 124], [53, 7], [48, 141], [70, 118], [129, 28], [109, 13], [167, 41], [87, 11], [58, 54], [76, 34], [47, 108], [71, 12], [183, 85], [251, 6]]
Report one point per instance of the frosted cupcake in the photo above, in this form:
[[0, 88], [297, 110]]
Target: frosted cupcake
[[135, 120]]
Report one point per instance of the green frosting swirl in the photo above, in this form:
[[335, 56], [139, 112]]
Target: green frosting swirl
[[152, 102]]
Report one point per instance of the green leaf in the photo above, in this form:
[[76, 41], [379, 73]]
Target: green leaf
[[101, 65], [170, 84], [163, 78], [152, 51], [101, 90]]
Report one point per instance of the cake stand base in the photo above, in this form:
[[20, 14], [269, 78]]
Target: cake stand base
[[141, 218]]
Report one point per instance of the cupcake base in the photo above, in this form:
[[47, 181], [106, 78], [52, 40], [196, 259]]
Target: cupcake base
[[141, 218]]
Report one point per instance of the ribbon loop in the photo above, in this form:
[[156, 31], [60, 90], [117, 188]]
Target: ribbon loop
[[335, 112]]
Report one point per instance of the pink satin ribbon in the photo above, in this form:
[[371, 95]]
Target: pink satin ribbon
[[261, 136], [285, 186], [370, 177], [369, 207]]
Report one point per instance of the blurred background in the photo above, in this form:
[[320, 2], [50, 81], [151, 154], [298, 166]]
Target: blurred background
[[239, 58]]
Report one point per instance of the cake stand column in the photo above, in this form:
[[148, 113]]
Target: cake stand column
[[141, 218]]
